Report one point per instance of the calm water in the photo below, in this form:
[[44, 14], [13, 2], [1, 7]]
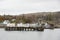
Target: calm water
[[30, 35]]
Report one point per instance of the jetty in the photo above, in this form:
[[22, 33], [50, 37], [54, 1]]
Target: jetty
[[24, 29], [39, 26], [29, 27]]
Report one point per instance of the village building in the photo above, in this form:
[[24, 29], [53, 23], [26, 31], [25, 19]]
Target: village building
[[6, 21]]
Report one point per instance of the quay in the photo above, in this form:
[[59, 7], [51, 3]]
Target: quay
[[24, 29], [38, 26]]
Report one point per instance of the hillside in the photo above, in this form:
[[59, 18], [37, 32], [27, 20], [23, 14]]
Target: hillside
[[33, 17]]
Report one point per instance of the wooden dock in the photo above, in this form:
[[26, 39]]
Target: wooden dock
[[24, 29]]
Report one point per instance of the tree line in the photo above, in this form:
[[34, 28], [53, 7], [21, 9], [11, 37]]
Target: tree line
[[25, 18]]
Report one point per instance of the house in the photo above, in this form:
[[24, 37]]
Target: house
[[11, 25], [6, 21], [47, 25], [23, 25], [8, 24]]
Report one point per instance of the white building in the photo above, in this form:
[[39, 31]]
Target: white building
[[11, 25], [23, 25], [6, 21], [47, 25]]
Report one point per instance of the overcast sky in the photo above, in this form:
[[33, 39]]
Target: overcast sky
[[15, 7]]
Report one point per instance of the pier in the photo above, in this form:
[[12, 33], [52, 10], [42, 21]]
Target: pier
[[24, 29]]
